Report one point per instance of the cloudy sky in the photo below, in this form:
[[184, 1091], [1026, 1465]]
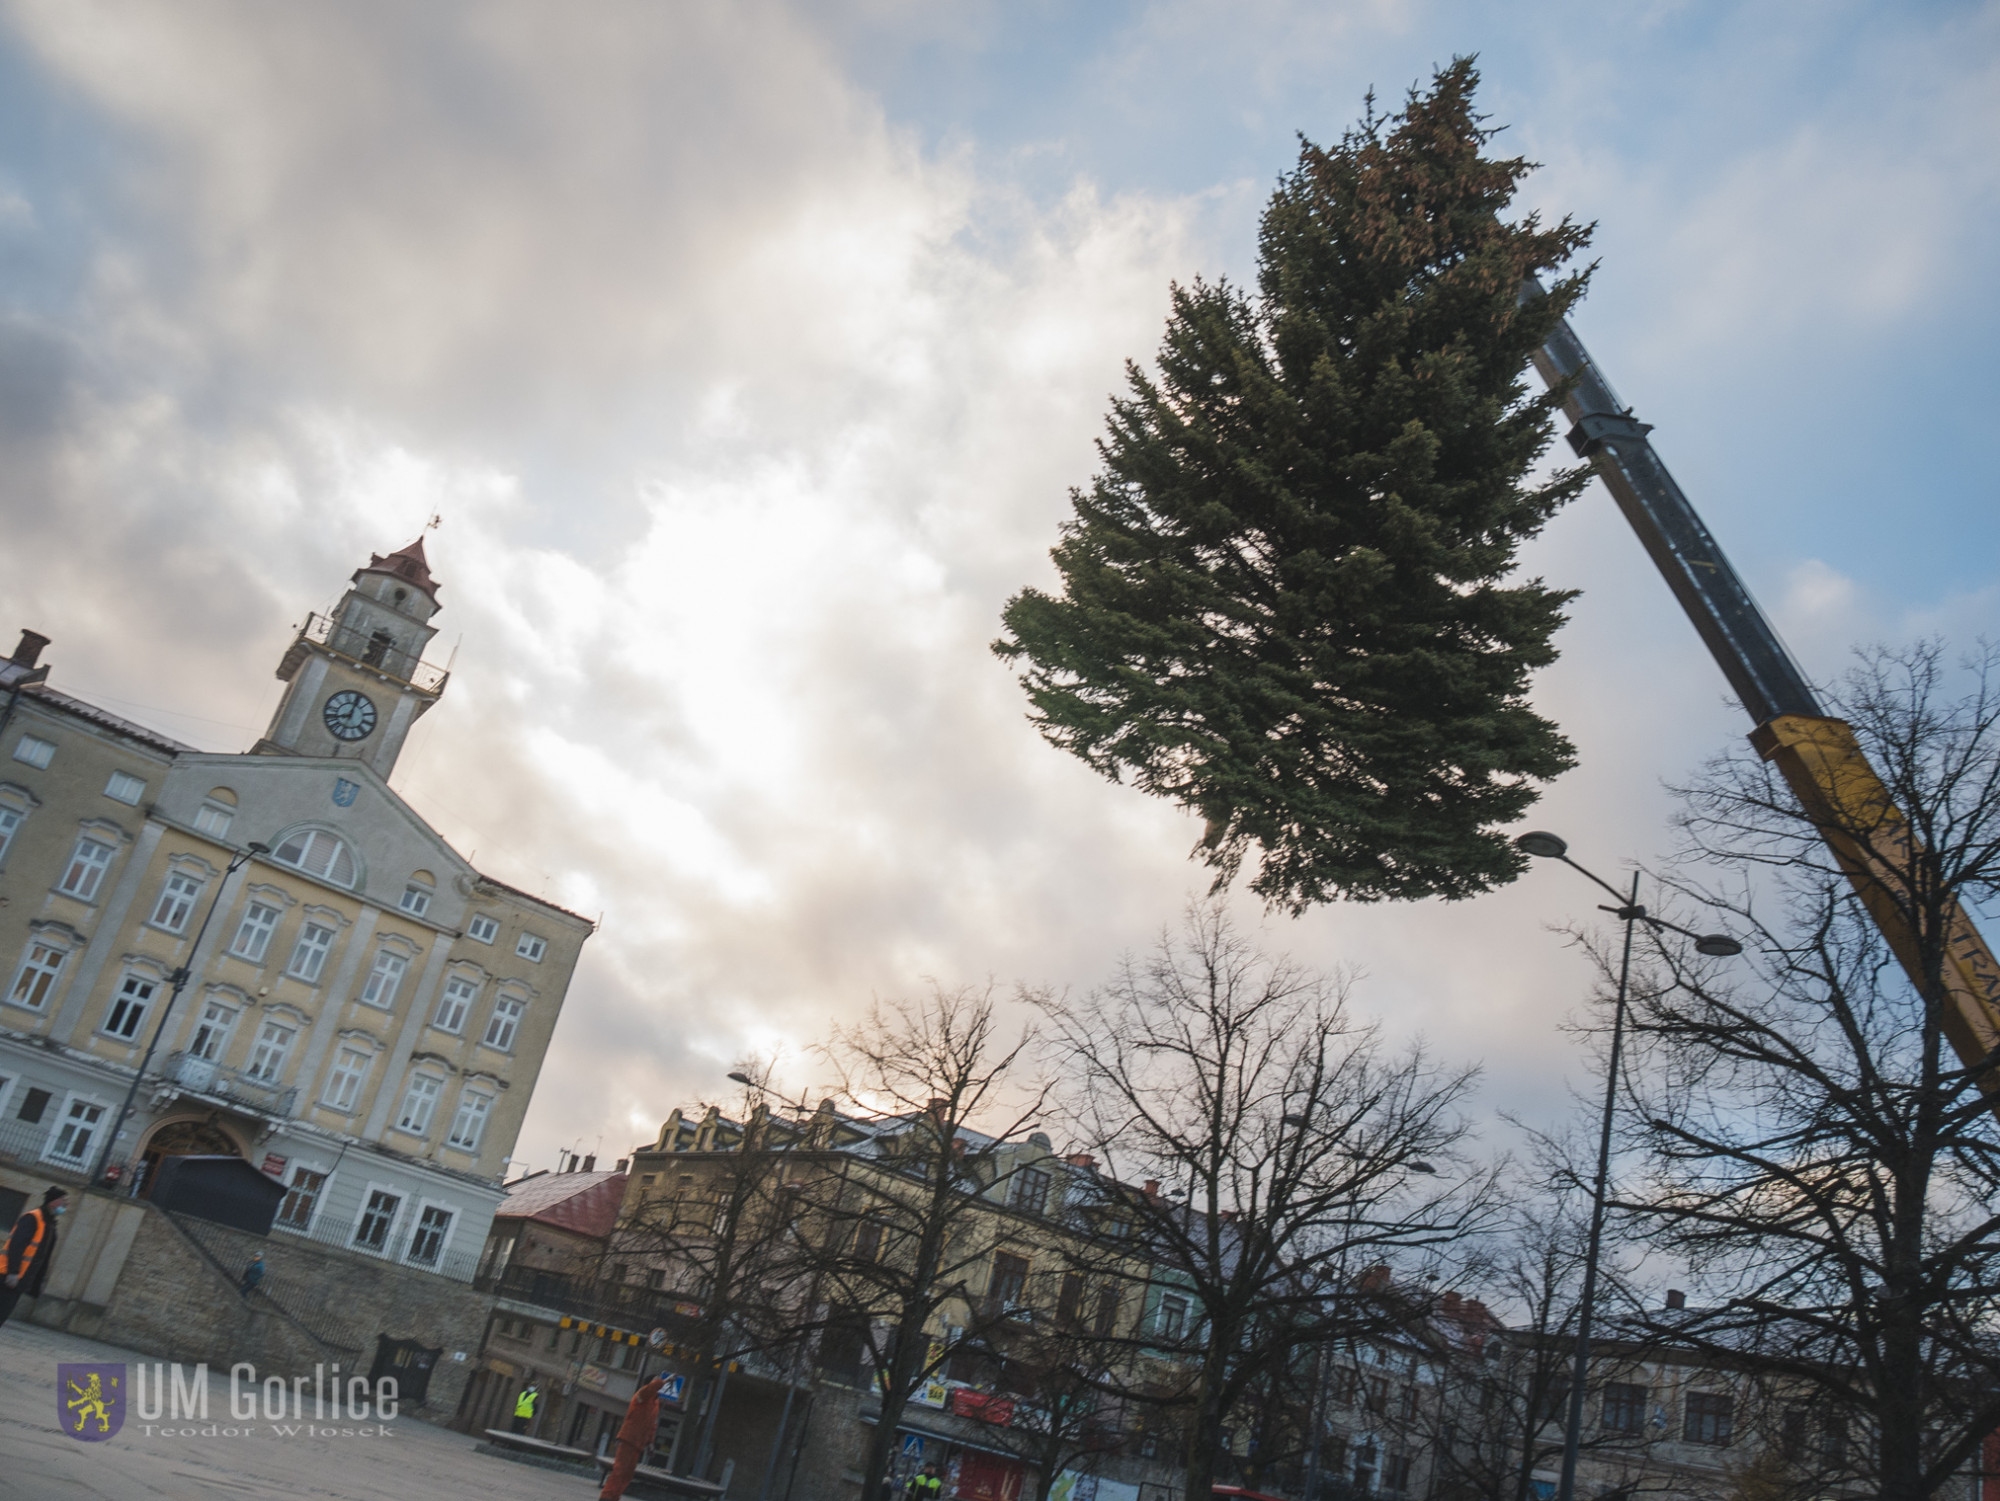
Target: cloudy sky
[[748, 351]]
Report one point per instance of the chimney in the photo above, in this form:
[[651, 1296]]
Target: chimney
[[1676, 1300], [30, 649], [1450, 1301], [1152, 1188], [590, 1163], [623, 1163], [1081, 1159]]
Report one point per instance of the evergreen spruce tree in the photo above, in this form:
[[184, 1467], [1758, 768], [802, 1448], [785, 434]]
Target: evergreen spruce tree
[[1286, 598]]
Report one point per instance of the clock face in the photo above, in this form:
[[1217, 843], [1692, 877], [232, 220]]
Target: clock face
[[349, 715]]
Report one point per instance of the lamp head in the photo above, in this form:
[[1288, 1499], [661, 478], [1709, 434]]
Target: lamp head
[[737, 1076], [258, 849], [1542, 844], [1420, 1166], [1717, 946]]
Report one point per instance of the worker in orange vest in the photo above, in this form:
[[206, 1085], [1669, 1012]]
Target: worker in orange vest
[[635, 1437], [24, 1265]]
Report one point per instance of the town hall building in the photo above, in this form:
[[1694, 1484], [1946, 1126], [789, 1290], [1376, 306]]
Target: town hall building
[[360, 1013]]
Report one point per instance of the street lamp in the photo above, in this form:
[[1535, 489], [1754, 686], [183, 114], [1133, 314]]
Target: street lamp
[[180, 978], [1546, 846]]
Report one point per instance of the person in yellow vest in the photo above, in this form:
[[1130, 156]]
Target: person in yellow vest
[[925, 1485], [30, 1249], [524, 1407]]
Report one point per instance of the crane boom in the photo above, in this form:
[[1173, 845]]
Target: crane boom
[[1817, 754]]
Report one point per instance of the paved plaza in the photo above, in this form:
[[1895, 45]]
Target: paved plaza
[[39, 1462]]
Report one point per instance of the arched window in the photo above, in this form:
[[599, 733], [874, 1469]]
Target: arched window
[[317, 853]]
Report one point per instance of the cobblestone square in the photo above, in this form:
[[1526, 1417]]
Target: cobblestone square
[[38, 1462]]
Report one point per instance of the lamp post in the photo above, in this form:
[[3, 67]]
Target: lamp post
[[180, 978], [1547, 846]]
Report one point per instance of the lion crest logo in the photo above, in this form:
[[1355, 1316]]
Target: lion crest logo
[[90, 1401]]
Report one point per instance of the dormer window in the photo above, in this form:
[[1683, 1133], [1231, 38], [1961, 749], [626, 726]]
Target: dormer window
[[317, 853]]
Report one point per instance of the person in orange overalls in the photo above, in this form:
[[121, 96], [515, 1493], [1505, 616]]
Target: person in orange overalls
[[635, 1436], [24, 1265]]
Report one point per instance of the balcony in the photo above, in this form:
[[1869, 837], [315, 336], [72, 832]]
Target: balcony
[[375, 650], [187, 1074]]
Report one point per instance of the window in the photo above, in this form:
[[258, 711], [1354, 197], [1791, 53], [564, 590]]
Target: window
[[1171, 1320], [531, 948], [1708, 1419], [128, 1007], [1107, 1311], [416, 899], [32, 1105], [267, 1058], [213, 820], [384, 979], [177, 899], [37, 753], [483, 929], [1396, 1475], [418, 1104], [459, 994], [79, 1130], [317, 853], [86, 869], [10, 820], [868, 1240], [211, 1033], [1010, 1278], [125, 788], [1031, 1189], [37, 976], [350, 1072], [260, 921], [428, 1240], [1069, 1299], [506, 1021], [1624, 1407], [309, 954], [372, 1234], [301, 1199], [470, 1122]]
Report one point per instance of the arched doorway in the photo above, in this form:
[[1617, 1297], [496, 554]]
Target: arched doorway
[[184, 1138]]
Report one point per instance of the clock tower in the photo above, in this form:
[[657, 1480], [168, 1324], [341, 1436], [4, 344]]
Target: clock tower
[[355, 680]]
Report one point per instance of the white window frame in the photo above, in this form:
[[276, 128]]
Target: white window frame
[[120, 998], [327, 870], [265, 932], [32, 750], [260, 1044], [213, 819], [339, 1074], [483, 928], [531, 947], [218, 1033], [83, 876], [424, 1207], [54, 973], [453, 1009], [385, 978], [507, 1025], [177, 921], [470, 1095], [393, 1191], [294, 1168], [416, 898], [427, 1099], [11, 819], [125, 788], [92, 1145], [320, 951]]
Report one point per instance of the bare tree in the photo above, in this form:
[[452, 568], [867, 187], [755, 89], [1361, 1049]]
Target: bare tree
[[889, 1240], [1826, 1163], [1261, 1146]]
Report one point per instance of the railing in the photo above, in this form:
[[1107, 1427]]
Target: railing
[[305, 1304], [619, 1303], [374, 649], [229, 1086]]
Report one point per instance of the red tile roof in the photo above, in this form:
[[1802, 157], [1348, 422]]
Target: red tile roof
[[406, 563], [584, 1202]]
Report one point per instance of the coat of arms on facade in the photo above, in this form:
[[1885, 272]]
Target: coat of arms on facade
[[90, 1400], [344, 792]]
